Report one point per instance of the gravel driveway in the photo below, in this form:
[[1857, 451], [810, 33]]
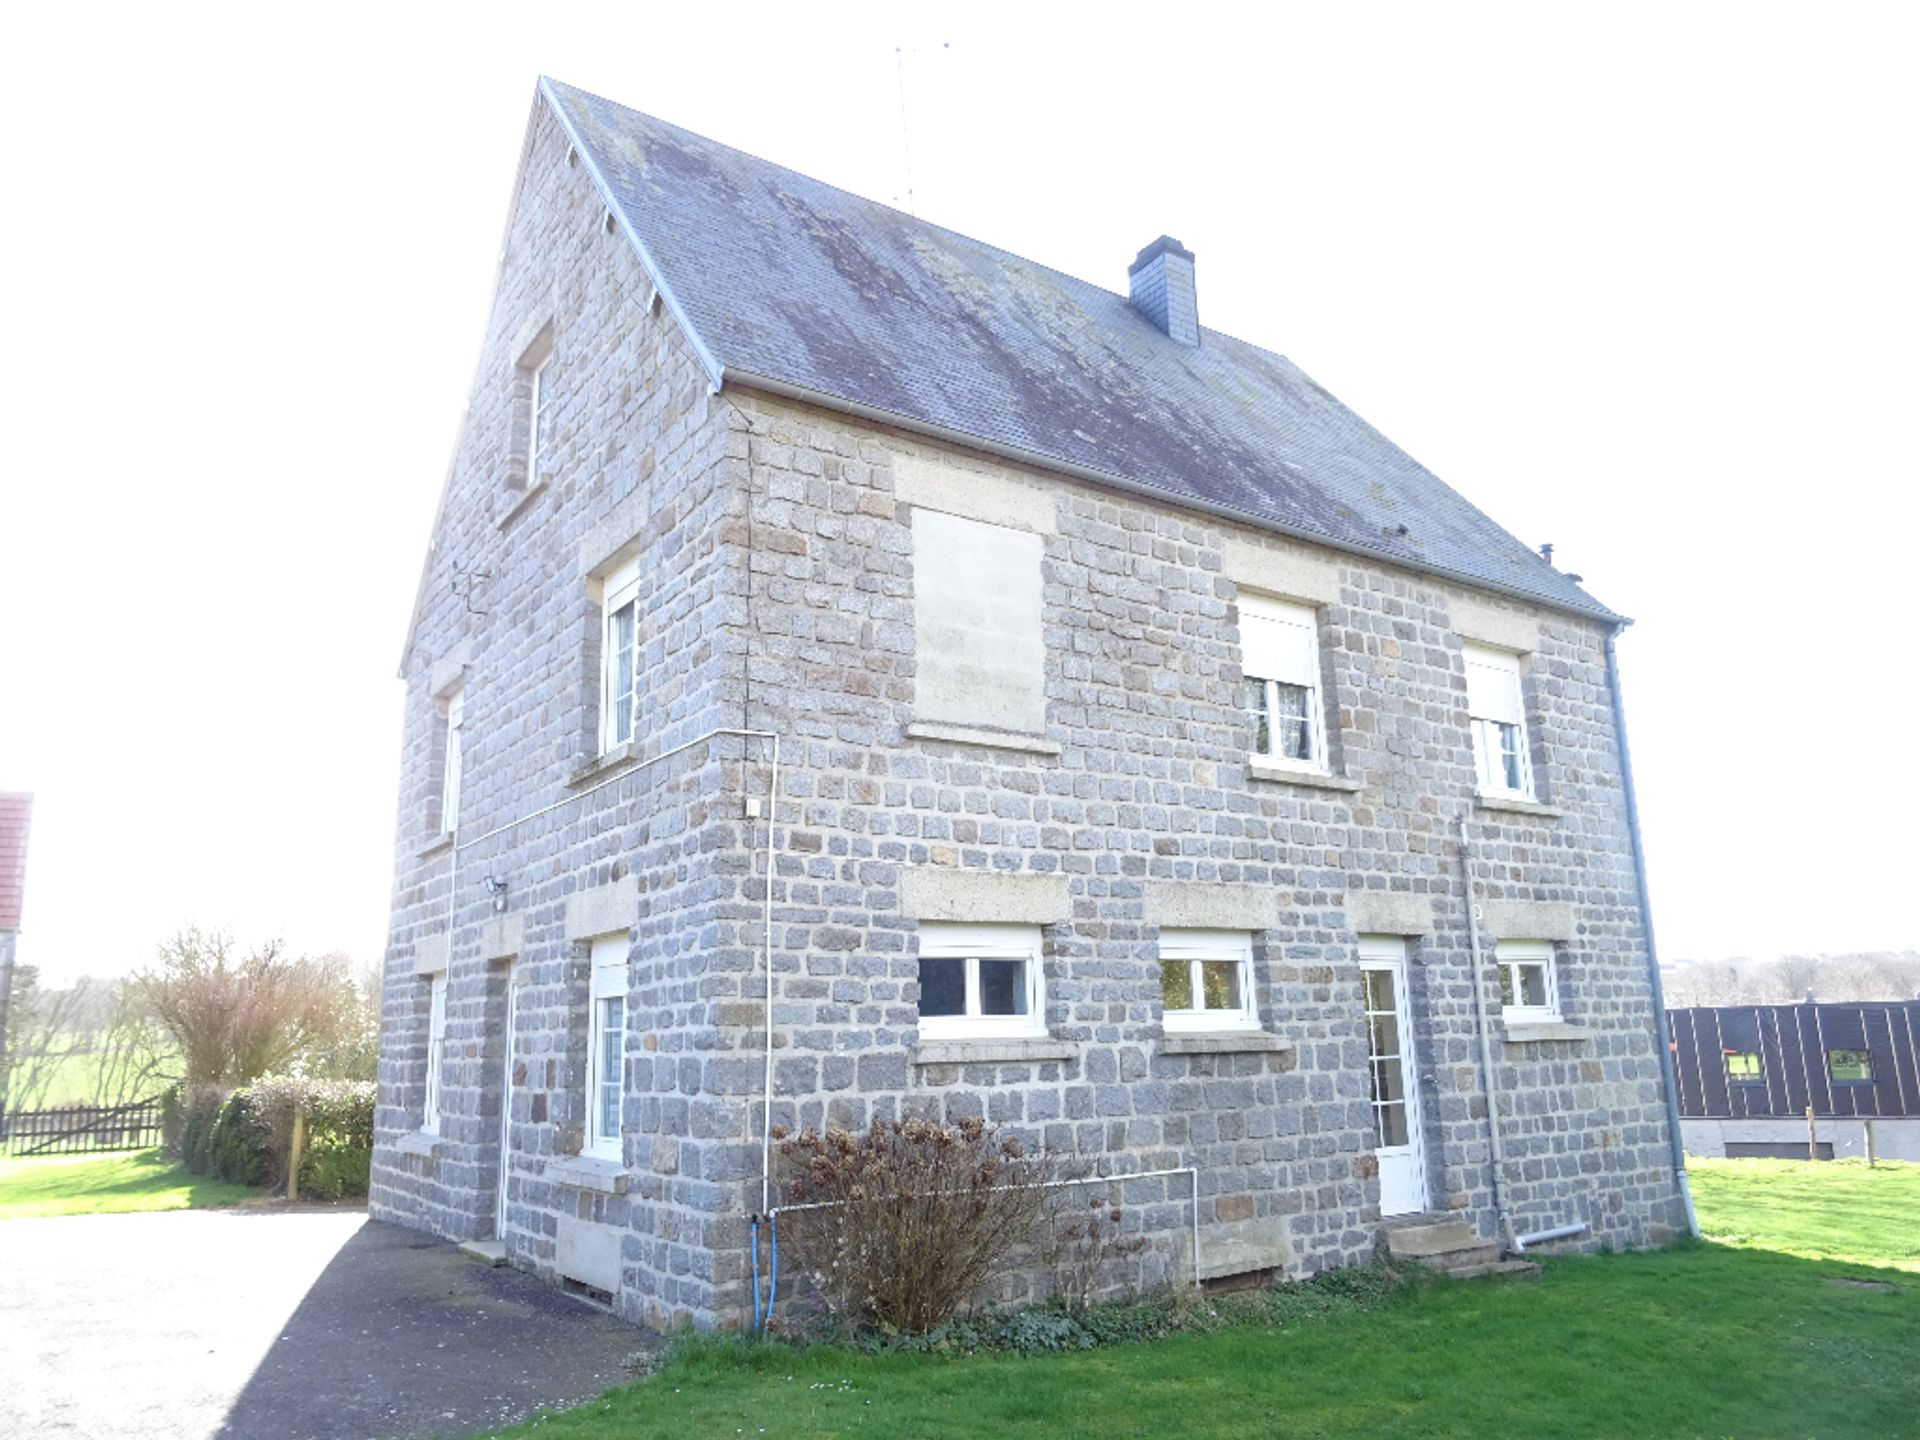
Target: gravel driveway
[[280, 1324]]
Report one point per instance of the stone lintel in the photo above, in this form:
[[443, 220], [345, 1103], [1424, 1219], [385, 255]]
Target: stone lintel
[[1527, 919], [451, 669], [1382, 912], [599, 910], [430, 954], [1209, 905], [1491, 624], [996, 497], [984, 897], [503, 937], [1287, 574]]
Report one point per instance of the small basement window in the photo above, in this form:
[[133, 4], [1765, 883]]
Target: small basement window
[[980, 982], [1850, 1067]]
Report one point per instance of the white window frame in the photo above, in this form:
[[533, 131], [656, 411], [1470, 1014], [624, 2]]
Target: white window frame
[[450, 763], [1513, 956], [619, 590], [609, 982], [974, 943], [1280, 644], [1196, 947], [1496, 697], [536, 395], [436, 1052]]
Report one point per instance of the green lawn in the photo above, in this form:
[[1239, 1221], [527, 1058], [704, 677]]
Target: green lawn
[[104, 1184], [1831, 1211], [1702, 1340]]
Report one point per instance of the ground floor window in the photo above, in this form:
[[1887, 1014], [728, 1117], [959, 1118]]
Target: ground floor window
[[1527, 987], [606, 1045], [980, 981], [1206, 980], [436, 1050]]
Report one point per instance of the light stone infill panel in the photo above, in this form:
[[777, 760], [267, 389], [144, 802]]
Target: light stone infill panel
[[503, 937], [604, 909], [430, 954], [1286, 574], [1377, 912], [979, 650], [982, 897], [996, 498], [1495, 625], [1198, 905], [588, 1253], [1527, 919]]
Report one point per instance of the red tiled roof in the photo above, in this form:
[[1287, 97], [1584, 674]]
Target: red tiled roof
[[15, 812]]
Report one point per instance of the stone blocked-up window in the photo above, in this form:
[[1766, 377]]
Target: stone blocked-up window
[[979, 652]]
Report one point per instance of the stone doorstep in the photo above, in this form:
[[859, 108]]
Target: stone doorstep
[[1500, 1269], [1435, 1238]]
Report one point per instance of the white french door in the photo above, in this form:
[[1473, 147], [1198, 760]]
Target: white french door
[[1392, 1084]]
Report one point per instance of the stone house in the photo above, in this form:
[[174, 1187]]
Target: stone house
[[858, 671]]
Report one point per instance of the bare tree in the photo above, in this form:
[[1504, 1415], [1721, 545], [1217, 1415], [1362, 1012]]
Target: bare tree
[[42, 1035], [235, 1018]]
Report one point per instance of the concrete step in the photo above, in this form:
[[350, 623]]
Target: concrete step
[[1452, 1260], [1439, 1237], [1502, 1269], [494, 1252]]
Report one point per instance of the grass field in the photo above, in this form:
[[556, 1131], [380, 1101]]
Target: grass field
[[1832, 1211], [104, 1184], [1708, 1340]]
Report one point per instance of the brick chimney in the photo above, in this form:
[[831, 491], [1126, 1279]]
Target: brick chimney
[[1160, 284]]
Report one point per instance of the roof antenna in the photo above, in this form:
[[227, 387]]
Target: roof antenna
[[906, 139]]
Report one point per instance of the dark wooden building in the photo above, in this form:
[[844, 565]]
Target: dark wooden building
[[1856, 1060]]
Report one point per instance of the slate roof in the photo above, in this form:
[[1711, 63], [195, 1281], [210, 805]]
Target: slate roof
[[16, 811], [789, 283]]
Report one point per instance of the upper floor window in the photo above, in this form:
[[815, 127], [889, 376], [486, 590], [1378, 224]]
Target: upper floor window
[[1280, 691], [539, 416], [1499, 721], [1528, 991], [450, 764], [436, 1050], [1206, 980], [980, 981], [606, 1045], [620, 657]]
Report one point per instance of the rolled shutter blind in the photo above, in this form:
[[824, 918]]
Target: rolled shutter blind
[[1277, 641], [1493, 685]]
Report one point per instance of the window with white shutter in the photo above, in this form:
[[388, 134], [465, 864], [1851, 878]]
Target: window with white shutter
[[1280, 688], [1499, 722]]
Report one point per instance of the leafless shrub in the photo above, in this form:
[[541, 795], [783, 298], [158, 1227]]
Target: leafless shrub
[[238, 1017], [914, 1216], [1086, 1235]]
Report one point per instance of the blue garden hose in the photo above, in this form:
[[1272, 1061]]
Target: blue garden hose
[[755, 1252]]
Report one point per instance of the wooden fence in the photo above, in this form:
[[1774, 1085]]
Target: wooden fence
[[81, 1129]]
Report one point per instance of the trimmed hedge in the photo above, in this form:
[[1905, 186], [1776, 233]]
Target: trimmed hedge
[[244, 1137]]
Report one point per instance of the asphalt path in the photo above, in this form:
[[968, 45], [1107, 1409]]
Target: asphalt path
[[281, 1324]]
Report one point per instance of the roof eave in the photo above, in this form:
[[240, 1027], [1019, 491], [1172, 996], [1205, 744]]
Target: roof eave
[[829, 401]]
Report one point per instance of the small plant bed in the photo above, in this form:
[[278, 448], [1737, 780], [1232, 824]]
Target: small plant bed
[[120, 1181]]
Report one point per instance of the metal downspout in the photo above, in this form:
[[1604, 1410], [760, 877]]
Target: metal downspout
[[1667, 1078], [1506, 1237]]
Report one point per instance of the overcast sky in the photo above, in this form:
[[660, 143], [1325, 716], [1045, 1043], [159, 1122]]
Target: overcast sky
[[1638, 280]]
